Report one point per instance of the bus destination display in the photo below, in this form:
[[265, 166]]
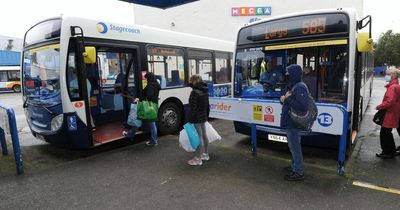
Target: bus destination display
[[300, 26]]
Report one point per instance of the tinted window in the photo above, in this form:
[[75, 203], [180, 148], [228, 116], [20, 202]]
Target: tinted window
[[222, 68], [14, 75]]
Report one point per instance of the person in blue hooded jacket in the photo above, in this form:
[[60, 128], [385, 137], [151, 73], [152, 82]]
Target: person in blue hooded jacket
[[295, 98]]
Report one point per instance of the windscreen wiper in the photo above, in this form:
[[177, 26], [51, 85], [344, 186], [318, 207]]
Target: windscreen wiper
[[41, 106]]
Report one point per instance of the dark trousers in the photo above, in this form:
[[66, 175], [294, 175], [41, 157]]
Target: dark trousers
[[387, 141]]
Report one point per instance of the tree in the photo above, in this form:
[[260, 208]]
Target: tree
[[387, 49]]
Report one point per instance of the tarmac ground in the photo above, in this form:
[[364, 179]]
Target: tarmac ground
[[125, 175]]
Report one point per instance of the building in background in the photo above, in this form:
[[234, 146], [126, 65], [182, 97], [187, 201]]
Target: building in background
[[10, 43], [221, 19]]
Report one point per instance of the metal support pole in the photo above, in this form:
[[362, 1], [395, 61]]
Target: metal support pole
[[15, 141], [3, 142], [14, 137], [342, 145], [254, 139]]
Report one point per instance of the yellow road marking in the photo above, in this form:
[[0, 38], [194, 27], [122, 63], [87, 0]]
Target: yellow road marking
[[374, 187]]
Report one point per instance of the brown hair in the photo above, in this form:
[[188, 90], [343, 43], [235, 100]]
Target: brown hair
[[195, 79]]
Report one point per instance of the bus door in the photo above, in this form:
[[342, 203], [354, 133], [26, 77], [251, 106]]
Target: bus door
[[113, 82]]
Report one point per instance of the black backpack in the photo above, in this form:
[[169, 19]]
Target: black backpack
[[304, 121]]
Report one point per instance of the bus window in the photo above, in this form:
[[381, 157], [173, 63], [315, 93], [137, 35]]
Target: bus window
[[14, 76], [72, 77], [200, 63], [3, 76], [167, 65], [332, 62], [305, 57], [222, 70], [112, 68]]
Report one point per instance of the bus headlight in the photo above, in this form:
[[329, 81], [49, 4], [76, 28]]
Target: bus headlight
[[57, 122]]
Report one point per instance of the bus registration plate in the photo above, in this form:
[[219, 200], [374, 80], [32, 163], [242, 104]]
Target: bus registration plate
[[273, 137]]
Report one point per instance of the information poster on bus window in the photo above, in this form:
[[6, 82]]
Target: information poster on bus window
[[268, 112]]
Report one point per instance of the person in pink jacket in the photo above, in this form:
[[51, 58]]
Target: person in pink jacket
[[391, 103]]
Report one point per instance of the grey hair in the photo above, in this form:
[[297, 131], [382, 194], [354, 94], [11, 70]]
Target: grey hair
[[395, 71]]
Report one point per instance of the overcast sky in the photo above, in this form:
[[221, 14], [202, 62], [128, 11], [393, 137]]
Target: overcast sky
[[18, 15], [384, 16]]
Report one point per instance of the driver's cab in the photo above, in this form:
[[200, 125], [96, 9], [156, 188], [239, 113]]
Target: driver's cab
[[265, 76]]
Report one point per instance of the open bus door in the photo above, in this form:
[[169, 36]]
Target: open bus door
[[107, 73]]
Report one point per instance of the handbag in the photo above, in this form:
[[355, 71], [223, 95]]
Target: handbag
[[132, 117], [212, 134], [379, 116], [184, 142], [192, 134], [304, 121], [147, 110]]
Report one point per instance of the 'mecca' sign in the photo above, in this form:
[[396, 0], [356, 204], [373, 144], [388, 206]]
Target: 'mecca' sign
[[250, 11]]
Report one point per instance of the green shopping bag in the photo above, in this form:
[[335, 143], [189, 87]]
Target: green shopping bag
[[147, 110]]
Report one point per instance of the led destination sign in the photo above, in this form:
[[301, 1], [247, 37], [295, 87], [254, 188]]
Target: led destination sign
[[321, 24]]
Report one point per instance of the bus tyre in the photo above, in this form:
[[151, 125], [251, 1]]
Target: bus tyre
[[16, 88], [170, 118]]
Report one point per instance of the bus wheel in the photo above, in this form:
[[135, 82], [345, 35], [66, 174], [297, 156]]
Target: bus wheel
[[170, 118], [16, 88]]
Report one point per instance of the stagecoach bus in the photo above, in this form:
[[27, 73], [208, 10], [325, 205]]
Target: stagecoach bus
[[10, 78], [79, 76], [335, 56]]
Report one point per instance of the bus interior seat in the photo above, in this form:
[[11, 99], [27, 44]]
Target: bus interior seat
[[175, 79], [160, 79]]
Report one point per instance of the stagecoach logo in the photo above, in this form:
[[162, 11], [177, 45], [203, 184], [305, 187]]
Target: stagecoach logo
[[102, 27], [325, 119]]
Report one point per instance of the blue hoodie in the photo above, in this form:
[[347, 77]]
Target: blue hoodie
[[298, 100]]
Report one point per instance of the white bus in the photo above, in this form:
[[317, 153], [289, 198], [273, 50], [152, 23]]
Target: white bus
[[76, 71], [336, 58], [10, 78]]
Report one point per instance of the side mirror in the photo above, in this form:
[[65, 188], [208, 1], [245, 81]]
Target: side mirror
[[89, 55], [364, 42]]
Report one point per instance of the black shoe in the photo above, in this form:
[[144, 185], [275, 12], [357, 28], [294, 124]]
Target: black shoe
[[288, 169], [398, 148], [384, 156], [294, 177], [397, 153]]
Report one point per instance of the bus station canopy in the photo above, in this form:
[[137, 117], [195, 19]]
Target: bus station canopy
[[162, 4]]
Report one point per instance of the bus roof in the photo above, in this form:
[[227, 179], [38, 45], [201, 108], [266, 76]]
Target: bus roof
[[145, 34], [350, 11]]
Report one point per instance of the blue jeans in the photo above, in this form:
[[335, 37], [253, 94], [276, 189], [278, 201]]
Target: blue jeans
[[131, 133], [153, 131], [294, 142]]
